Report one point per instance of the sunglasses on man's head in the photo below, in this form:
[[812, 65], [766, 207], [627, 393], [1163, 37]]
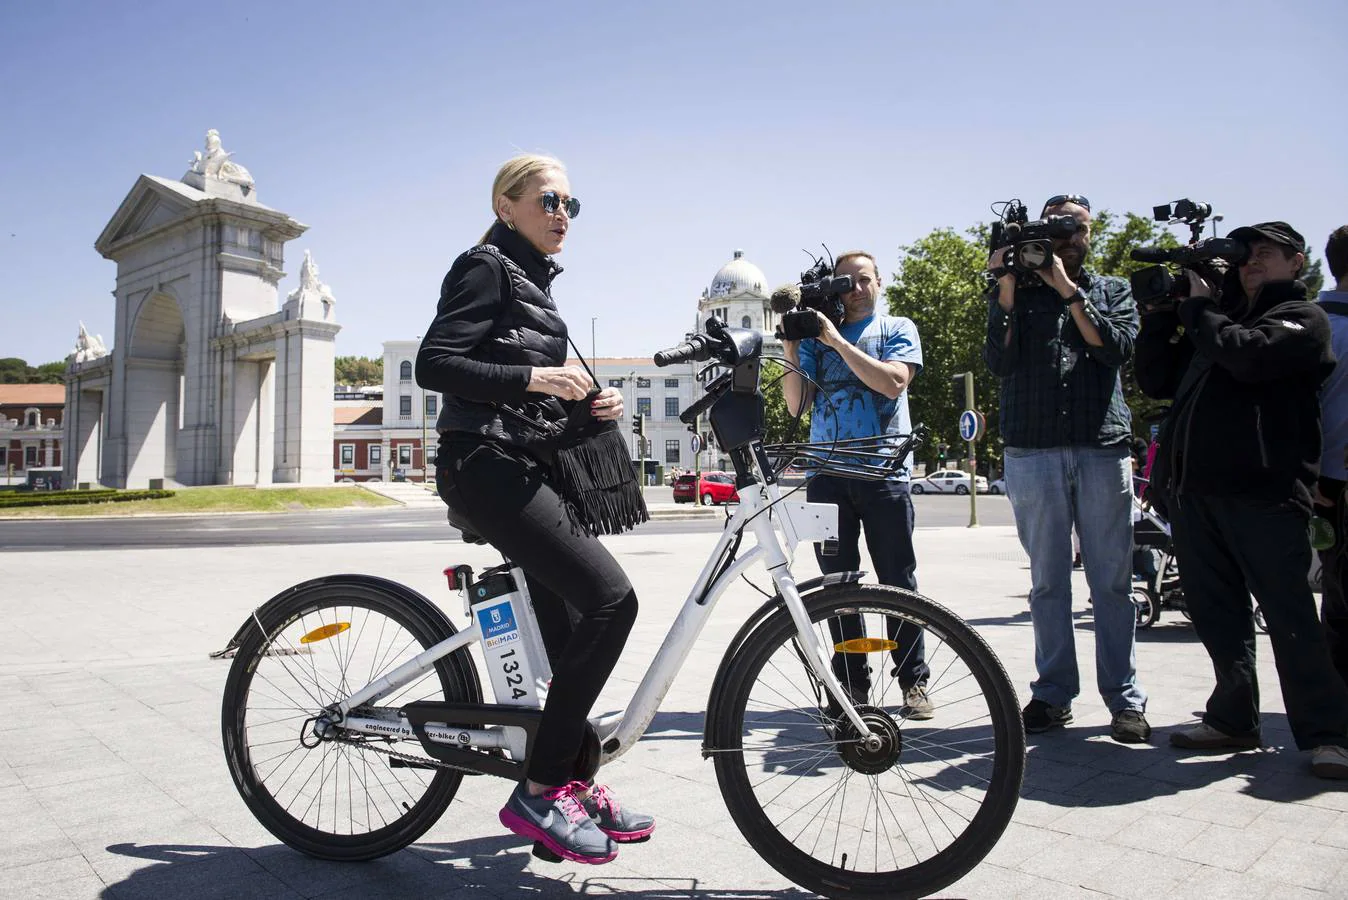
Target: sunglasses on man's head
[[551, 201], [1060, 199]]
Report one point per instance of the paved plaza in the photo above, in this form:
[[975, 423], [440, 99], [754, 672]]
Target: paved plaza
[[112, 781]]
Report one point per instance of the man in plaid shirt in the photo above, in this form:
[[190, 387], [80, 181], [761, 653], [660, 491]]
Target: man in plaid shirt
[[1058, 348]]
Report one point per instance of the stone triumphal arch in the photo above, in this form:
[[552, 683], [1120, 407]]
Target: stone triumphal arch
[[210, 380]]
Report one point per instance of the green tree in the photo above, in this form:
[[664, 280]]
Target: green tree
[[939, 285], [357, 370], [17, 371], [779, 425], [1313, 276]]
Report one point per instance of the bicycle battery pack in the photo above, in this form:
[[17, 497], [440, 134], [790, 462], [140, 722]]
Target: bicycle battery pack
[[516, 659]]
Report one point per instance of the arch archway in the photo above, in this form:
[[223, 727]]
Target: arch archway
[[154, 390]]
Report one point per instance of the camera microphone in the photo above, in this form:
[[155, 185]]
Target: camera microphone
[[785, 298], [1152, 254]]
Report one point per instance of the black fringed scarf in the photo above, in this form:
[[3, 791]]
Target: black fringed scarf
[[590, 466]]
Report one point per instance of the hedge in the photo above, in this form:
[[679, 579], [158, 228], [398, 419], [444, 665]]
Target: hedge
[[72, 498]]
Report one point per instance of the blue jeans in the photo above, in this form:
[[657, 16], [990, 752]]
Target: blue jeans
[[885, 510], [1089, 487]]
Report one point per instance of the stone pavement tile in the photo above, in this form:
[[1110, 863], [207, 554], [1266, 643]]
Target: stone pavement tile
[[318, 878], [1072, 859], [90, 887], [20, 881], [1336, 835], [119, 847], [1139, 875], [1298, 821], [1230, 808], [1211, 883], [1307, 865], [1041, 888], [993, 882], [1019, 842], [25, 849], [1098, 822], [1227, 848], [1159, 832], [1055, 776], [1043, 808]]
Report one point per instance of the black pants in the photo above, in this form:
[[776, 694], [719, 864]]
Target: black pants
[[1229, 548], [885, 510], [581, 596], [1334, 575]]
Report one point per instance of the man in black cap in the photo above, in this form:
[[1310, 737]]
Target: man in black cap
[[1235, 471]]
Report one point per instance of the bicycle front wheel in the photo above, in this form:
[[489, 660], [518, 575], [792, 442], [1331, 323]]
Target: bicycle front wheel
[[903, 816], [350, 797]]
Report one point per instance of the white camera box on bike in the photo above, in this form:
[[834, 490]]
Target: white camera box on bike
[[516, 658]]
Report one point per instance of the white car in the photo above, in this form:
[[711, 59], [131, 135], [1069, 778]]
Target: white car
[[997, 487], [947, 481]]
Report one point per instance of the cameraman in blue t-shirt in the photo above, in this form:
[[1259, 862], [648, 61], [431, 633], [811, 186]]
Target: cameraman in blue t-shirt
[[863, 368]]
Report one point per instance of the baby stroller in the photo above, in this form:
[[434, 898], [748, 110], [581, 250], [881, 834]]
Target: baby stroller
[[1160, 587]]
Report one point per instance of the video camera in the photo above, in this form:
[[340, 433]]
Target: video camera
[[1030, 243], [820, 290], [1158, 287]]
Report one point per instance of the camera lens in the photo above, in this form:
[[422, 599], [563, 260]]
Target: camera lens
[[1035, 254]]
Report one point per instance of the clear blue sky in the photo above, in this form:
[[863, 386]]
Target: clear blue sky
[[690, 129]]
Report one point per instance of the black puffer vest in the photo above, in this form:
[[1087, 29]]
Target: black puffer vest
[[529, 332]]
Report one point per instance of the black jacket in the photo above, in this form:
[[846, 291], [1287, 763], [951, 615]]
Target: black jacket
[[1246, 419], [494, 323]]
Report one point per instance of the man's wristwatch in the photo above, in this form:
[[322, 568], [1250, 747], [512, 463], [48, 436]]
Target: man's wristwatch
[[1077, 296]]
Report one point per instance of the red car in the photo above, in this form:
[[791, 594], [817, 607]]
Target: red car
[[715, 487]]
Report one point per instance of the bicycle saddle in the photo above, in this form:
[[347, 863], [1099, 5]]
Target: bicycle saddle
[[466, 531]]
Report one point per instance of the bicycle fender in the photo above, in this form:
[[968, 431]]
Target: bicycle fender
[[326, 582], [760, 616]]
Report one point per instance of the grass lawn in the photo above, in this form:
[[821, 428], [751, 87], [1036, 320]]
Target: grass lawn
[[219, 499]]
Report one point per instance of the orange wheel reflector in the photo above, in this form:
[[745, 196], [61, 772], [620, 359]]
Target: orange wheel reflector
[[327, 631], [865, 645]]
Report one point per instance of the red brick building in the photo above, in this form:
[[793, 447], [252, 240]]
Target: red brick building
[[30, 427]]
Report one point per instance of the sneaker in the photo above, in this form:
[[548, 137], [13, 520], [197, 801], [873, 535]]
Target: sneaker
[[1204, 737], [1129, 727], [619, 823], [558, 821], [1330, 761], [1039, 716], [917, 705]]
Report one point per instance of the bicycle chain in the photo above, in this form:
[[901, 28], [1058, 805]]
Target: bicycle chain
[[407, 757]]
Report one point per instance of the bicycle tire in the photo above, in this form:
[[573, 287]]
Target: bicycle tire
[[385, 624], [923, 775]]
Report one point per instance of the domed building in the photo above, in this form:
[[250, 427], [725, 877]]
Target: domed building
[[738, 296]]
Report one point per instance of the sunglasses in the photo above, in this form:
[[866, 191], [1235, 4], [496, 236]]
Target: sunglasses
[[1060, 199], [551, 201]]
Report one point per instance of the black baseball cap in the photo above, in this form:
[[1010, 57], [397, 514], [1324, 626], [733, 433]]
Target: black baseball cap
[[1277, 232]]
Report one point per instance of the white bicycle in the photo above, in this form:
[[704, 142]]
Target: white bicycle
[[353, 707]]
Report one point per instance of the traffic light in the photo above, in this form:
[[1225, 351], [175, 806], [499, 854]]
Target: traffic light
[[940, 452], [639, 426], [959, 389]]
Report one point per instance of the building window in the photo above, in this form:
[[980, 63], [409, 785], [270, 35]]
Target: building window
[[29, 457], [643, 382], [643, 406], [405, 406], [348, 455], [671, 451], [404, 454], [430, 406], [431, 454], [405, 371], [376, 456], [671, 407], [746, 322], [30, 418], [672, 383], [615, 382]]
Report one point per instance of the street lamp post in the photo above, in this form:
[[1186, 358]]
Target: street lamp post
[[594, 357]]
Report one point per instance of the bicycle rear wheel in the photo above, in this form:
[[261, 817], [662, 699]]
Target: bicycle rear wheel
[[346, 798], [903, 819]]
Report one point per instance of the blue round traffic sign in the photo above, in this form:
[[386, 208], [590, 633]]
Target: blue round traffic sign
[[972, 424]]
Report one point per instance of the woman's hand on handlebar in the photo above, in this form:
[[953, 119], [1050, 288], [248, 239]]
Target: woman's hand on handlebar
[[608, 404], [567, 382]]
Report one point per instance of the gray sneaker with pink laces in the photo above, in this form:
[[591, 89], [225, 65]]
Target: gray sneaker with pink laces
[[623, 825]]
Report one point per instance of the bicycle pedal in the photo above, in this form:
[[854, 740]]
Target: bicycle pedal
[[544, 853]]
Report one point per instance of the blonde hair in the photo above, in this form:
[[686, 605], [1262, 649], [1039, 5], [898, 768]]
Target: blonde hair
[[858, 254], [514, 174]]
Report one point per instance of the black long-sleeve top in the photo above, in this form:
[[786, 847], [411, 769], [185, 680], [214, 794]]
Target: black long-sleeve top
[[471, 300]]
